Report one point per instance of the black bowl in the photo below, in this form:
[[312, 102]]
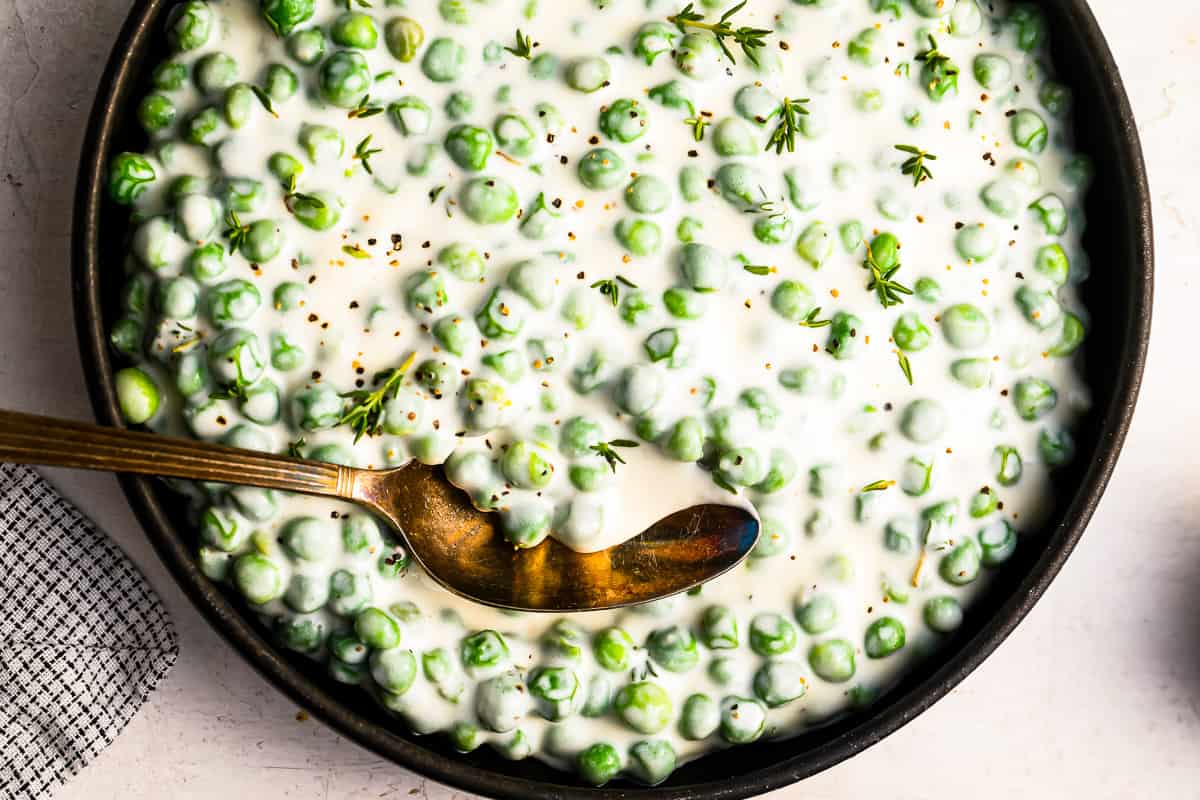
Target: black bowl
[[1119, 297]]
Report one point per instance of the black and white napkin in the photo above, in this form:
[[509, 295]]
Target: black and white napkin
[[83, 637]]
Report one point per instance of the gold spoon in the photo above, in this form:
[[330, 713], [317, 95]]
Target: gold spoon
[[456, 544]]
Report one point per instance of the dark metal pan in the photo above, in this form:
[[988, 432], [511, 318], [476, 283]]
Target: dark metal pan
[[1118, 295]]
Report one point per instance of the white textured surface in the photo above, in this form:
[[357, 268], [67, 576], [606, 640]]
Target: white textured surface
[[1096, 695]]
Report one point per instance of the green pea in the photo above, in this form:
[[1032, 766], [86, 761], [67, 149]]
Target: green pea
[[598, 764], [771, 635], [623, 120], [500, 701], [641, 237], [204, 127], [1056, 447], [778, 683], [792, 300], [403, 37], [307, 46], [284, 15], [992, 71], [943, 614], [815, 244], [1034, 398], [923, 421], [742, 719], [755, 104], [661, 344], [975, 243], [601, 169], [673, 648], [488, 200], [169, 76], [544, 66], [832, 660], [526, 466], [258, 578], [1040, 308], [515, 135], [588, 74], [444, 60], [1078, 172], [699, 718], [411, 115], [189, 25], [555, 691], [156, 112], [781, 471], [652, 40], [983, 502], [344, 79], [377, 629], [927, 290], [843, 336], [469, 146], [1029, 130], [740, 185], [910, 333], [137, 395], [236, 357], [703, 267], [733, 136], [644, 706], [1030, 24], [884, 636], [965, 326], [647, 194], [354, 29], [997, 542], [484, 650], [613, 649], [1051, 212], [232, 302], [129, 174], [674, 95], [316, 408], [961, 565], [718, 628], [866, 47], [349, 592], [322, 143], [685, 442], [652, 761], [773, 229]]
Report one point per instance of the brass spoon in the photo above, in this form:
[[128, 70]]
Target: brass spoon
[[456, 544]]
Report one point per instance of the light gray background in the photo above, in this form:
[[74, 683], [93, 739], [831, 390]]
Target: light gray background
[[1096, 695]]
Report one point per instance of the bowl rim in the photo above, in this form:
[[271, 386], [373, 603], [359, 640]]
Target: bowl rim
[[119, 79]]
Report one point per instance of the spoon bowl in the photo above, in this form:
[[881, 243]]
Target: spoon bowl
[[457, 544]]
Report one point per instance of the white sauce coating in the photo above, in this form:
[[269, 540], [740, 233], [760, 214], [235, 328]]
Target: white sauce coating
[[354, 321]]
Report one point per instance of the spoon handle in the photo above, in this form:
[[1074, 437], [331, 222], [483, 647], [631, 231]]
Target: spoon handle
[[32, 439]]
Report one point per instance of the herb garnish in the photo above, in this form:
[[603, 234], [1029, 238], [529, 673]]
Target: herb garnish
[[888, 290], [293, 448], [236, 232], [435, 192], [524, 46], [231, 391], [606, 451], [363, 153], [365, 415], [265, 99], [364, 109], [750, 39], [811, 321], [789, 113], [354, 251], [876, 486], [609, 288], [757, 269], [936, 61], [905, 366], [915, 166], [698, 124]]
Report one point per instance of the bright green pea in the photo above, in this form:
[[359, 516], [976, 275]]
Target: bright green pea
[[411, 115], [544, 66], [483, 650], [815, 244], [704, 268], [647, 194], [1030, 24], [780, 473], [515, 135], [641, 237], [792, 300], [773, 229], [488, 200], [910, 333], [284, 15], [601, 169], [866, 47], [156, 112], [884, 636], [258, 578], [1056, 447], [1040, 308], [698, 56], [393, 669], [613, 649], [975, 243], [653, 39], [1051, 212], [832, 660], [997, 543], [843, 336], [129, 175], [644, 706], [469, 146], [169, 76], [137, 395], [965, 326], [623, 120], [462, 260], [1034, 398], [771, 635], [673, 648], [692, 183], [598, 764], [354, 29], [1071, 337], [344, 79], [992, 71], [377, 629], [555, 691], [740, 185]]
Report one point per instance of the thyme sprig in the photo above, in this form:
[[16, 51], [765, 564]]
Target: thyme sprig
[[365, 415], [363, 152], [265, 99], [811, 321], [364, 109], [938, 62], [524, 46], [748, 38], [877, 486], [915, 165], [295, 449], [784, 135], [758, 269], [235, 231], [887, 290], [608, 453], [905, 366], [698, 123], [610, 287]]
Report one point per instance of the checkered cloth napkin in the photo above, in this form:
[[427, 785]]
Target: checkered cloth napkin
[[83, 638]]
